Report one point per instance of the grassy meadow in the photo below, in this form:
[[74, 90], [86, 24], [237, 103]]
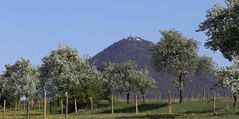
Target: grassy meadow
[[196, 108]]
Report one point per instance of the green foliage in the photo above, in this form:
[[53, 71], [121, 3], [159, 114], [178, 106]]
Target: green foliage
[[125, 78], [176, 54], [222, 29], [205, 67], [59, 70], [19, 79], [229, 77], [63, 70]]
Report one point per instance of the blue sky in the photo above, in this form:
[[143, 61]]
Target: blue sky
[[32, 28]]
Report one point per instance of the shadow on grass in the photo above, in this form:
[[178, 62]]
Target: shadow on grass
[[199, 112], [141, 107], [160, 116]]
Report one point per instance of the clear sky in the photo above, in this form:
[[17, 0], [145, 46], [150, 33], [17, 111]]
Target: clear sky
[[32, 28]]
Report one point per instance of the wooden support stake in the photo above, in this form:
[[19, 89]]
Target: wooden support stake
[[28, 102], [15, 110], [76, 107], [91, 104], [45, 105], [169, 102], [112, 104], [214, 104], [62, 109], [4, 108], [66, 111], [136, 104]]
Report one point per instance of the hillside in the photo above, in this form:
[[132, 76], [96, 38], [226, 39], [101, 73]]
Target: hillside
[[139, 50]]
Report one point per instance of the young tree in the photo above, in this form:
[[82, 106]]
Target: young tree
[[59, 70], [206, 67], [20, 79], [63, 70], [143, 82], [222, 29], [229, 78], [125, 78], [111, 83], [177, 55]]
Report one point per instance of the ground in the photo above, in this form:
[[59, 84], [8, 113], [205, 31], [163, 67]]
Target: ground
[[196, 108]]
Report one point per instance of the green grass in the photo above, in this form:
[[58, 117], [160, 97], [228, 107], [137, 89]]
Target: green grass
[[148, 110]]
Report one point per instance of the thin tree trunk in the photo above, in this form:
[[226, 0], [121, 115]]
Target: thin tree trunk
[[204, 95], [143, 98], [127, 98], [136, 104], [234, 100], [24, 105], [218, 95], [76, 107], [66, 111], [91, 104], [180, 95], [50, 103], [32, 102], [180, 89], [18, 105], [39, 105], [169, 102], [62, 109]]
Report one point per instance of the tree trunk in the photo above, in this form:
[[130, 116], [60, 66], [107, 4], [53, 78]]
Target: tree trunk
[[50, 103], [204, 95], [181, 89], [136, 104], [234, 100], [18, 105], [143, 98], [127, 98], [24, 105], [39, 105], [180, 96], [218, 95], [32, 102], [76, 107], [112, 104]]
